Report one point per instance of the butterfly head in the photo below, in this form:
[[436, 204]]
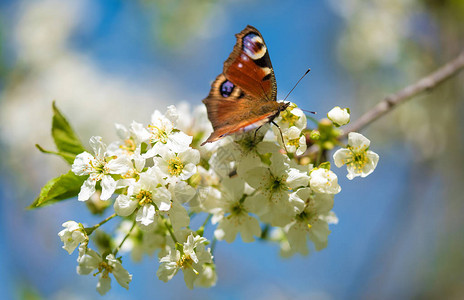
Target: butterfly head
[[282, 107]]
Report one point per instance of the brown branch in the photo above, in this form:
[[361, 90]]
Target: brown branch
[[393, 100]]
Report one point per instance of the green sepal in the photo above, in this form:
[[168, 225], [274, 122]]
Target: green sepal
[[60, 188], [66, 140], [324, 165]]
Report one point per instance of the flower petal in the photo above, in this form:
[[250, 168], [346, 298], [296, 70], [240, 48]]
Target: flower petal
[[124, 206], [146, 216], [87, 190], [104, 284], [108, 185], [356, 140], [341, 156], [122, 275]]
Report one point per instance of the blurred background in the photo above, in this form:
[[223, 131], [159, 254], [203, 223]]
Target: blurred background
[[401, 230]]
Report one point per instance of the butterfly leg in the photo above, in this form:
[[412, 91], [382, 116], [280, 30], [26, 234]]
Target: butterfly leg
[[256, 131], [281, 135]]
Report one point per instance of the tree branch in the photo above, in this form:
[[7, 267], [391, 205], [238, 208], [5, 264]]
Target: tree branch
[[392, 100]]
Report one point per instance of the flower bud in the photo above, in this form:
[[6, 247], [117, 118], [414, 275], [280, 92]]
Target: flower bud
[[339, 116], [315, 135]]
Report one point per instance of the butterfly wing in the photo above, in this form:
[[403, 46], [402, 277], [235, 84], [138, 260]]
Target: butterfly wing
[[236, 111], [249, 66], [244, 96]]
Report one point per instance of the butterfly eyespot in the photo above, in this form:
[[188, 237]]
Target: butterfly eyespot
[[226, 88], [253, 46]]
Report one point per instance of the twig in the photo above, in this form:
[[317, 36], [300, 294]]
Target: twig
[[92, 229], [392, 100], [201, 230], [124, 239], [169, 228]]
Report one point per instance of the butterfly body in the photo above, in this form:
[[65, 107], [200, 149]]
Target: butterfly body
[[244, 96]]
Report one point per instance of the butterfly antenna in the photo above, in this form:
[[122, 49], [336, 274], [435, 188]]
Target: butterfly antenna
[[281, 135], [296, 84], [309, 111]]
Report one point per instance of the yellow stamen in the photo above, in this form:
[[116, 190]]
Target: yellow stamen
[[175, 166]]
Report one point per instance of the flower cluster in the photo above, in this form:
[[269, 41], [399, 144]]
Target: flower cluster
[[247, 185], [292, 122]]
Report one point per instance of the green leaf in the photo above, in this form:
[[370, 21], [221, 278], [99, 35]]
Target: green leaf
[[60, 188], [66, 156], [66, 140]]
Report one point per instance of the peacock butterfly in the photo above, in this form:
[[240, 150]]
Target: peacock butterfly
[[244, 96]]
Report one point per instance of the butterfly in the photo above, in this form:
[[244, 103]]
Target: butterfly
[[244, 96]]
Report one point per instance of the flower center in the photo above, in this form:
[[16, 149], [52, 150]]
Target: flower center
[[308, 216], [249, 142], [158, 134], [175, 166], [278, 184], [104, 268], [99, 169], [128, 146], [358, 159], [236, 209], [186, 262], [294, 142], [144, 197], [99, 166], [288, 117], [132, 173]]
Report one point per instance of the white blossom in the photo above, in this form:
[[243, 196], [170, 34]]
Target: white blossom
[[181, 192], [295, 141], [243, 153], [193, 122], [206, 199], [164, 135], [90, 260], [178, 216], [324, 181], [129, 139], [310, 222], [339, 116], [189, 257], [292, 116], [208, 277], [358, 159], [178, 166], [232, 216], [99, 168], [274, 184], [72, 235], [149, 195]]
